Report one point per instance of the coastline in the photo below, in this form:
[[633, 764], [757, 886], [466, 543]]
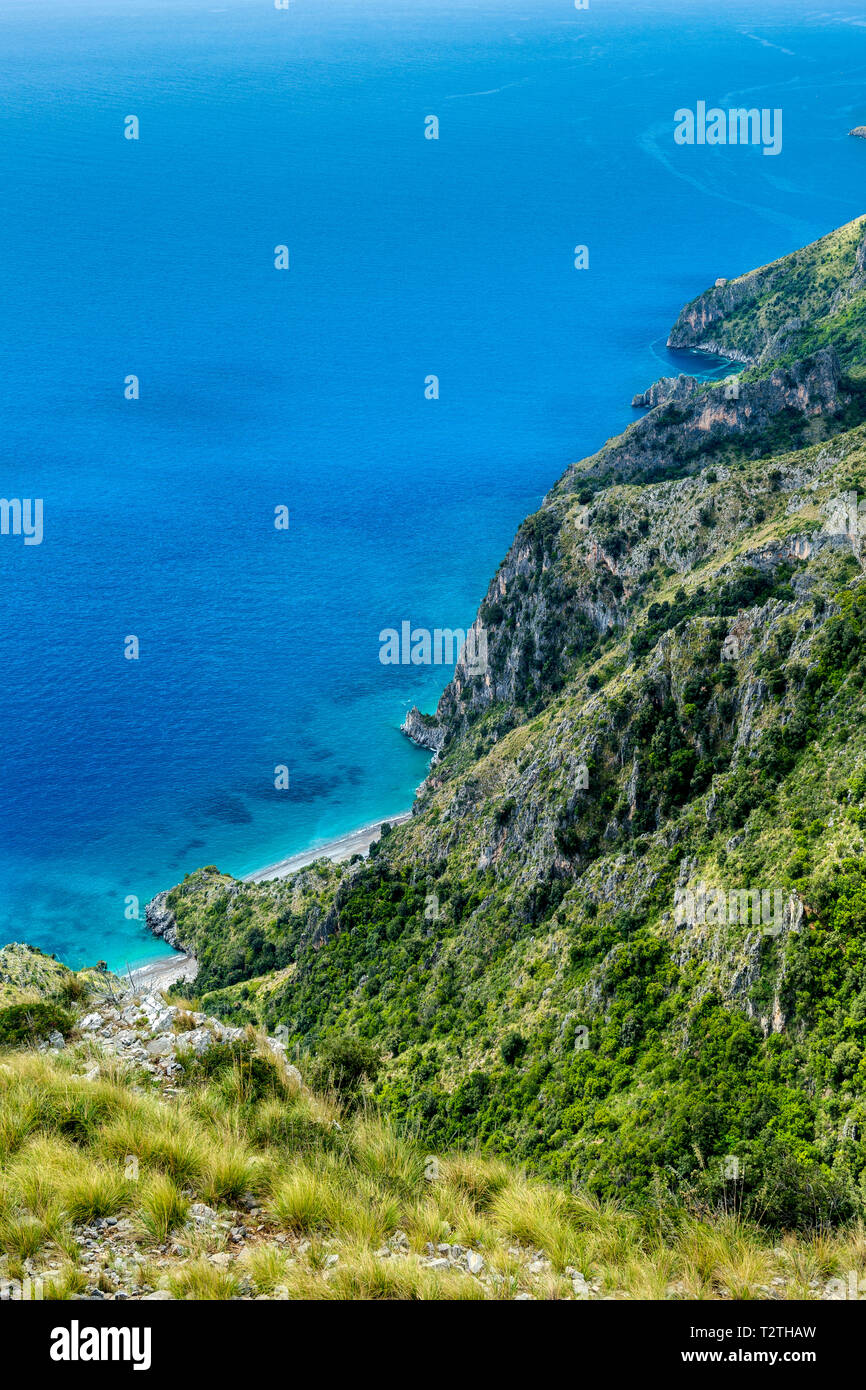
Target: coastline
[[342, 847], [164, 971]]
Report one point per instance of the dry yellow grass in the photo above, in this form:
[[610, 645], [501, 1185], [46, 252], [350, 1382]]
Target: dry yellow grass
[[345, 1207]]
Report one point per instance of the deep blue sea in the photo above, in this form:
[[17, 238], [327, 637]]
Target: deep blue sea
[[305, 388]]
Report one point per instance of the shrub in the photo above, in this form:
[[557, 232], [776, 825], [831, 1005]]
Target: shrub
[[24, 1023], [512, 1047], [343, 1064], [238, 1068], [72, 989]]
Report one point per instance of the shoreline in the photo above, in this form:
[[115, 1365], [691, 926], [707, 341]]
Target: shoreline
[[164, 971], [342, 847]]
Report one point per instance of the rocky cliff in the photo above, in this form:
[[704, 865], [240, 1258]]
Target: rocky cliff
[[423, 730], [787, 309], [672, 713], [665, 390]]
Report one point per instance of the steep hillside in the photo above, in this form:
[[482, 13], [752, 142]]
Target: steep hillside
[[154, 1154], [806, 301], [561, 956]]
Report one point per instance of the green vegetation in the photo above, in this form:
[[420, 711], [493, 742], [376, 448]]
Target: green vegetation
[[343, 1064], [29, 1022], [676, 697], [696, 645], [333, 1206], [813, 298]]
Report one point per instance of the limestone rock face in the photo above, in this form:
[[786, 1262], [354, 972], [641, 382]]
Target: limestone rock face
[[667, 388], [161, 920], [687, 420], [423, 730], [571, 573], [762, 316]]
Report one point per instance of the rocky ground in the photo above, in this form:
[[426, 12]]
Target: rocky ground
[[145, 1029], [146, 1032], [124, 1175]]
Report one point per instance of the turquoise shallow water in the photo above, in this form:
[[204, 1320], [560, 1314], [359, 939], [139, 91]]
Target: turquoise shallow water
[[259, 388]]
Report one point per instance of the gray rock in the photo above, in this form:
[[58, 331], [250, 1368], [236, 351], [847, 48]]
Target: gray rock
[[163, 1020], [229, 1034], [279, 1051], [424, 730], [161, 920], [197, 1040], [202, 1214], [666, 389]]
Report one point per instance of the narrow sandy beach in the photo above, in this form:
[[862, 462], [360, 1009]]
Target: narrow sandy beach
[[160, 973], [356, 842], [167, 970]]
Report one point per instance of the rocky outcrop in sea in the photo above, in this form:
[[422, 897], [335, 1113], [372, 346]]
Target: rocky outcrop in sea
[[424, 730], [667, 388]]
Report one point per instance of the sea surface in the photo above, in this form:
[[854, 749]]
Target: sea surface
[[305, 388]]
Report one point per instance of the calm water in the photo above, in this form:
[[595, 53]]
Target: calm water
[[305, 388]]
